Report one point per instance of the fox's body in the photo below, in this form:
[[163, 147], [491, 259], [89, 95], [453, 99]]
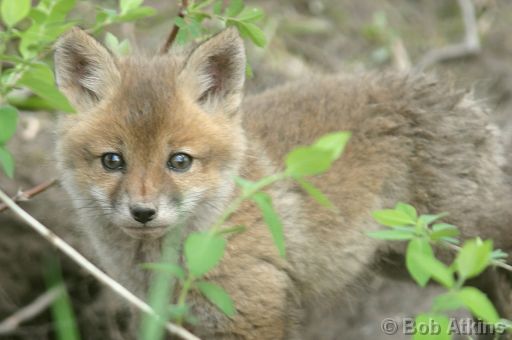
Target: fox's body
[[413, 140]]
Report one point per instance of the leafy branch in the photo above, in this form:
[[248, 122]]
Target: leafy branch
[[472, 258]]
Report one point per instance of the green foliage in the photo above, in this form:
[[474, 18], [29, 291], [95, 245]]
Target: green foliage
[[203, 251], [441, 322], [421, 232], [119, 48], [13, 11], [7, 161], [473, 258], [315, 193], [272, 219], [62, 310], [393, 218], [478, 304], [217, 296], [39, 78], [8, 122], [316, 158], [234, 14], [416, 250]]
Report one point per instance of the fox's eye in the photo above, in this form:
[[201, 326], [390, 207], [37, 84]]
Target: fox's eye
[[179, 162], [112, 161]]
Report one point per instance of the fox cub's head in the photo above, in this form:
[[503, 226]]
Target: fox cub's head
[[156, 141]]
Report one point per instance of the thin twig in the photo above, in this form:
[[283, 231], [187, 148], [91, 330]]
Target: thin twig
[[174, 32], [30, 311], [22, 196], [91, 268], [470, 45]]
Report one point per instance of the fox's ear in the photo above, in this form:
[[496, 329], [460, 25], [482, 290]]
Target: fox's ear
[[215, 72], [85, 70]]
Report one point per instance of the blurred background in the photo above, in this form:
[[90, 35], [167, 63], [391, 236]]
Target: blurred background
[[304, 37]]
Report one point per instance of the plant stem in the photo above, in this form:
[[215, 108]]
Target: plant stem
[[182, 298], [175, 28], [246, 195]]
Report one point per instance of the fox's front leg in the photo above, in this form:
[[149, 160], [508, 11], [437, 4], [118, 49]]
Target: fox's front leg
[[265, 306]]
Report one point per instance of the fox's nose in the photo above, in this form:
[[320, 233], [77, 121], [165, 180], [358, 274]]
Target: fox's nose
[[142, 213]]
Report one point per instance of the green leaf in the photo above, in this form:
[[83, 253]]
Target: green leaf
[[218, 296], [111, 41], [433, 267], [217, 7], [13, 11], [37, 37], [442, 230], [334, 143], [407, 209], [251, 14], [41, 81], [447, 301], [234, 8], [438, 327], [473, 258], [203, 251], [60, 10], [7, 162], [427, 219], [315, 193], [318, 157], [307, 161], [169, 268], [394, 234], [393, 218], [272, 220], [127, 5], [251, 31], [119, 48], [8, 122], [421, 247], [478, 304]]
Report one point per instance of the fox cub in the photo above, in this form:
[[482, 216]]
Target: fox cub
[[158, 141]]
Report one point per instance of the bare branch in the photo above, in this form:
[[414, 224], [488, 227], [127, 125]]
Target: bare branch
[[470, 46], [30, 311], [91, 268], [22, 196], [174, 32]]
